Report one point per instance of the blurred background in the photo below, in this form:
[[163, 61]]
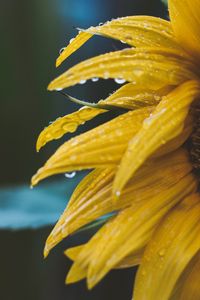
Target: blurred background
[[33, 32]]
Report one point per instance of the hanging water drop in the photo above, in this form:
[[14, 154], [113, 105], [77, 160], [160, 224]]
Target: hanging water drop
[[70, 175], [82, 81], [119, 80], [70, 41], [95, 79], [61, 50]]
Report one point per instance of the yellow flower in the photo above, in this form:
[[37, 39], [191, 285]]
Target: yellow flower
[[145, 161]]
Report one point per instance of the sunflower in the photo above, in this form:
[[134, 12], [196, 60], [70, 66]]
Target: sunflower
[[145, 161]]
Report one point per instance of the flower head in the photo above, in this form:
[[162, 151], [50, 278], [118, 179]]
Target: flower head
[[145, 161]]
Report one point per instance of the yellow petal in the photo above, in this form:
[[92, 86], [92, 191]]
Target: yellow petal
[[92, 184], [94, 196], [127, 262], [101, 147], [191, 290], [136, 31], [178, 141], [130, 96], [68, 123], [164, 124], [76, 43], [133, 228], [79, 271], [139, 31], [150, 67], [173, 245], [185, 20]]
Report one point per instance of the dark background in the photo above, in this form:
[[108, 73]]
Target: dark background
[[33, 31]]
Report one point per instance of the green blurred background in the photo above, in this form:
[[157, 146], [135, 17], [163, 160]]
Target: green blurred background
[[32, 33]]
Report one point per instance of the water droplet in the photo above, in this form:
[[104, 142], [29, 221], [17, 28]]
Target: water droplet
[[61, 50], [70, 175], [31, 187], [95, 79], [106, 75], [58, 89], [119, 80], [123, 42], [82, 81], [138, 72], [72, 157], [101, 23], [161, 252], [117, 193], [143, 272], [70, 41]]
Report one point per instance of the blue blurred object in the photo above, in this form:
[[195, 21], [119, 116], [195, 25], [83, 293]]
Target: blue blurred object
[[22, 207]]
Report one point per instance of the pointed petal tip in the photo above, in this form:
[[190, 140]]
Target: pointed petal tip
[[45, 252], [73, 277], [50, 87], [91, 283], [58, 62], [34, 180]]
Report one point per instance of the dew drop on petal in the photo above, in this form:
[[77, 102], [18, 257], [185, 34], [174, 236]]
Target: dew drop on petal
[[58, 89], [119, 80], [70, 175], [101, 23], [161, 252], [117, 193], [106, 75], [61, 50]]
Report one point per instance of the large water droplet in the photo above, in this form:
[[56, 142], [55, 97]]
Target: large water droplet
[[61, 50], [70, 175], [119, 80]]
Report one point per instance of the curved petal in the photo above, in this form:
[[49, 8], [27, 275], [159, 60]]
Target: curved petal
[[164, 124], [127, 262], [132, 229], [102, 146], [185, 20], [68, 123], [191, 290], [129, 96], [172, 247], [138, 31], [93, 196], [150, 67]]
